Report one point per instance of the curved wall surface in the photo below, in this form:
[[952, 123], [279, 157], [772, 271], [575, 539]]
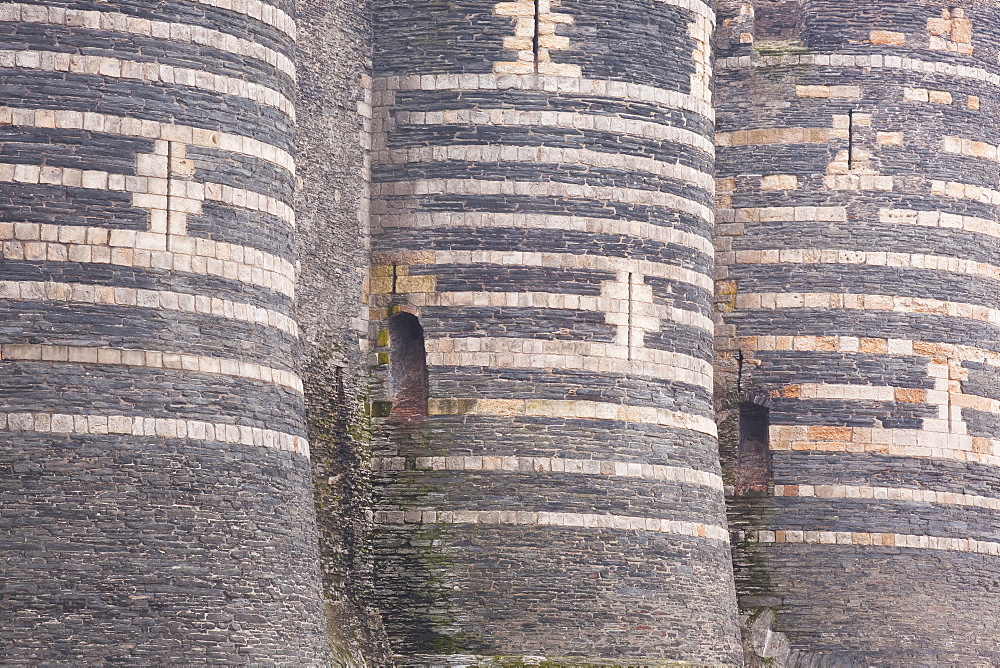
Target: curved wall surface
[[542, 203], [156, 474], [859, 265]]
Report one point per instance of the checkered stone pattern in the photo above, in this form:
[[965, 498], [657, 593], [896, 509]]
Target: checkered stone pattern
[[542, 202], [155, 472], [858, 297]]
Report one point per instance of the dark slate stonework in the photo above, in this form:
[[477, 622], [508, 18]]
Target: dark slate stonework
[[836, 603], [447, 590], [131, 549]]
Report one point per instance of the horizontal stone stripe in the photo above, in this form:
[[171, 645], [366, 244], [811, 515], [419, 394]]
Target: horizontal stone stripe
[[257, 10], [197, 430], [955, 265], [129, 248], [970, 148], [546, 155], [514, 353], [148, 192], [618, 90], [556, 261], [151, 72], [500, 117], [516, 464], [919, 444], [133, 127], [967, 191], [827, 300], [876, 346], [125, 23], [849, 392], [769, 136], [250, 200], [79, 293], [150, 359], [478, 220], [419, 187], [552, 300], [896, 540], [973, 224], [888, 494], [573, 409], [975, 402], [930, 67], [531, 518], [780, 214]]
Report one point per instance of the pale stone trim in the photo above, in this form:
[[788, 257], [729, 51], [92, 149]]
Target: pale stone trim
[[539, 519], [970, 148], [130, 248], [848, 392], [919, 444], [547, 155], [828, 300], [418, 187], [124, 23], [118, 68], [195, 430], [134, 127], [896, 540], [873, 61], [259, 11], [634, 228], [81, 293], [250, 200], [771, 136], [519, 353], [821, 91], [572, 409], [149, 359], [867, 258], [556, 119], [618, 90], [968, 191], [869, 492], [552, 300], [515, 464], [782, 214], [984, 226], [876, 346]]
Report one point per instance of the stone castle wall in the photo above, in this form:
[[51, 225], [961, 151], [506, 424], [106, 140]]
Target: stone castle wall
[[859, 286], [156, 488], [542, 191], [475, 287]]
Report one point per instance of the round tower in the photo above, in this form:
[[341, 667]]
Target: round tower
[[548, 481], [859, 325], [156, 483]]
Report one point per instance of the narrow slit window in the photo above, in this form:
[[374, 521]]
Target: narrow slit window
[[754, 452], [407, 369]]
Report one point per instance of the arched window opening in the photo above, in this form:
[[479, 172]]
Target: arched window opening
[[407, 369], [754, 452]]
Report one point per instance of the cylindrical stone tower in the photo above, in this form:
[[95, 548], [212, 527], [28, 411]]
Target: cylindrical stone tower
[[859, 306], [156, 489], [548, 479]]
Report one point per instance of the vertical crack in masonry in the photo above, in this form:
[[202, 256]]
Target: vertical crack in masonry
[[535, 36], [394, 277], [850, 139]]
